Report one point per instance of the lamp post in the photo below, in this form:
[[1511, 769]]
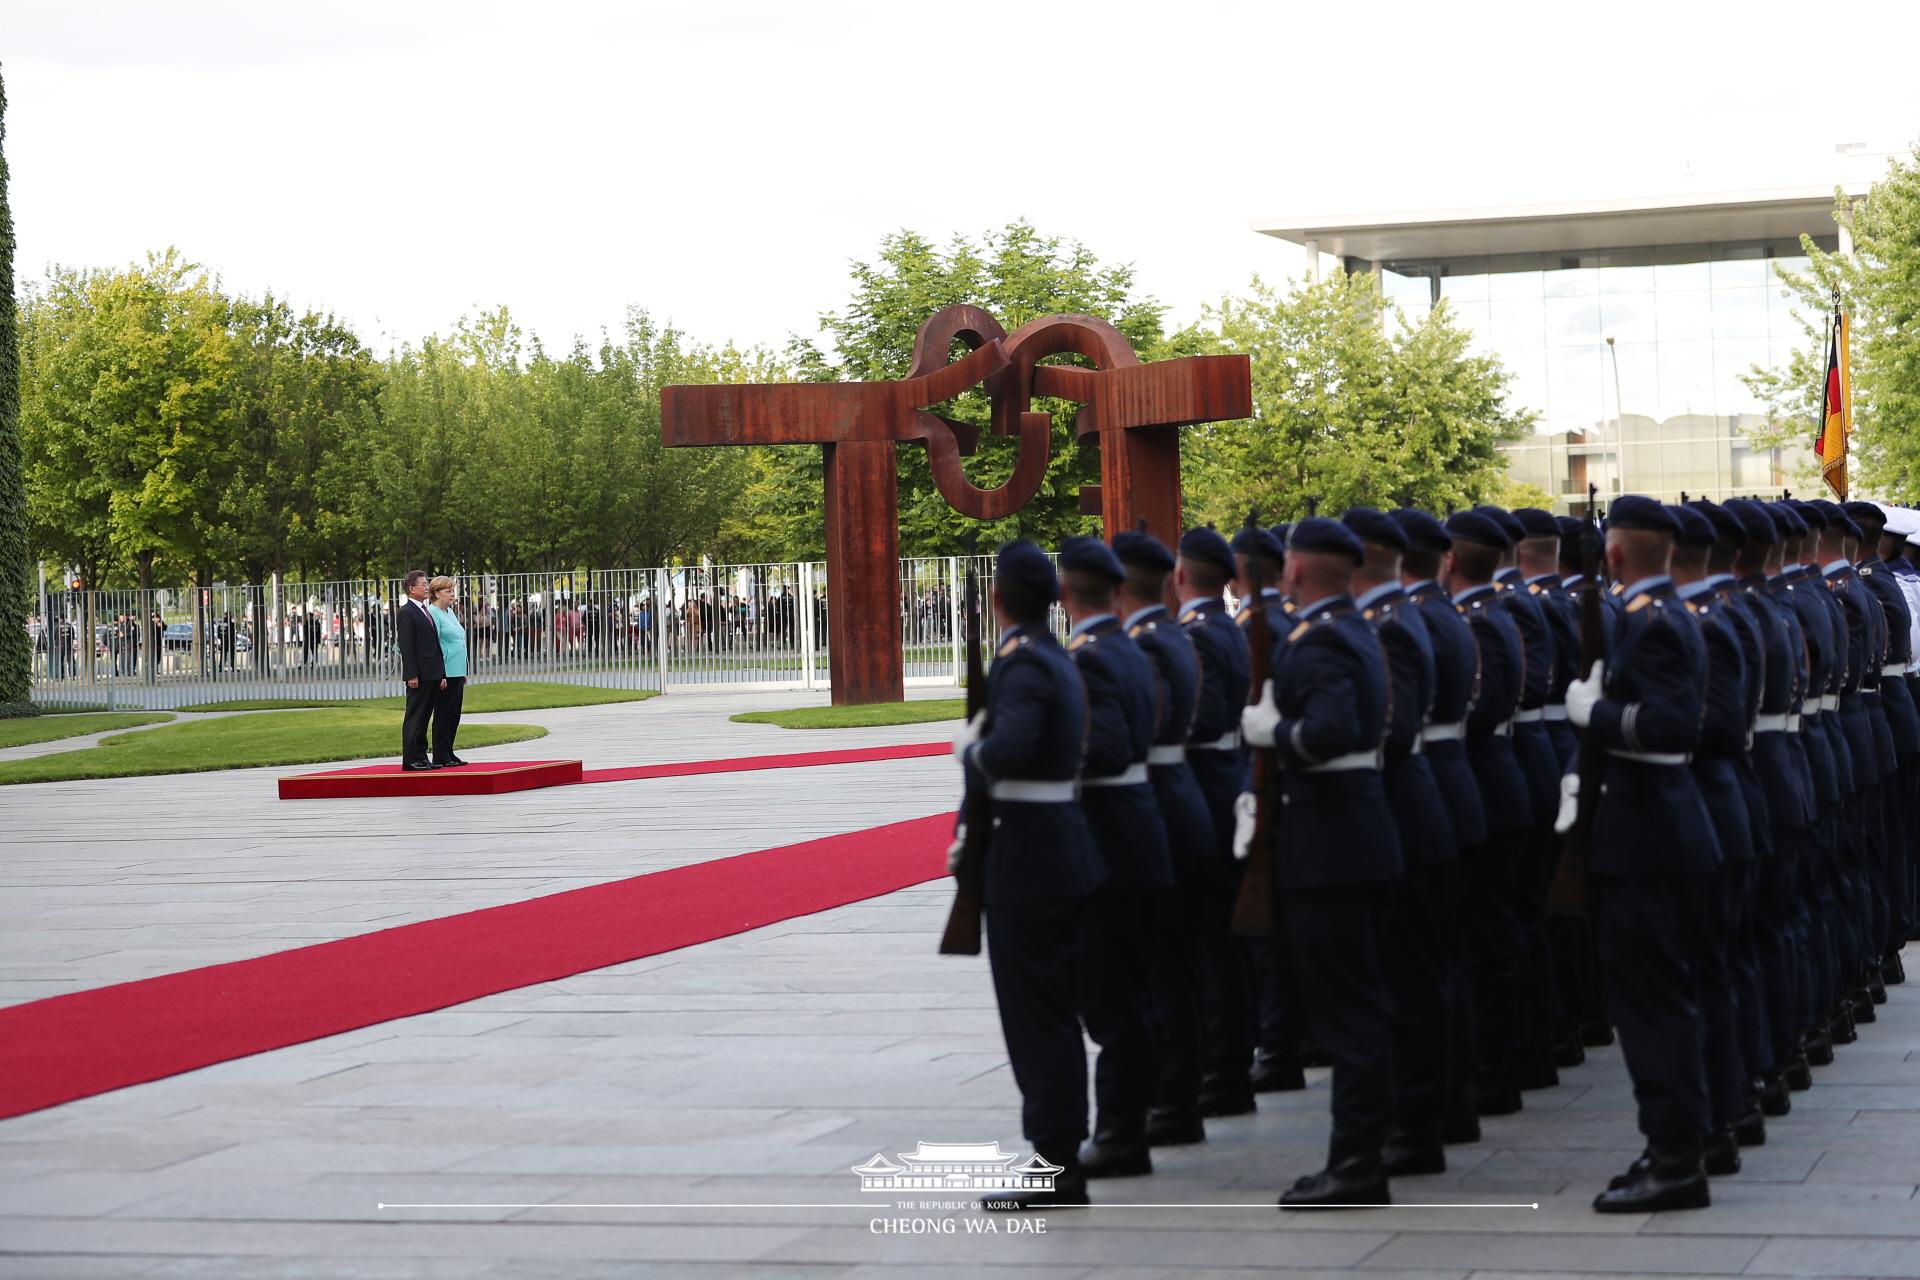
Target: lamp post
[[1620, 418]]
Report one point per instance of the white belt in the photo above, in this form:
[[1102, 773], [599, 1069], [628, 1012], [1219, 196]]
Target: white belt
[[1342, 764], [1556, 712], [1027, 791], [1778, 722], [1534, 716], [1811, 707], [1504, 729], [1132, 775], [1655, 757], [1894, 669], [1167, 753], [1445, 732], [1229, 742], [1830, 702]]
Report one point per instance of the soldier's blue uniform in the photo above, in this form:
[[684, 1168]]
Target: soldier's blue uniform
[[1336, 853], [1213, 752], [1184, 908], [1419, 942], [1041, 863], [1653, 857], [1116, 930]]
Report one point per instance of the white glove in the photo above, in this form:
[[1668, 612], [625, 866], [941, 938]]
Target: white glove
[[1258, 720], [1246, 808], [953, 851], [1569, 804], [969, 734], [1583, 694]]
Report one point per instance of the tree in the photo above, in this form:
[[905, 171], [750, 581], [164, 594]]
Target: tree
[[16, 654], [1018, 275], [1353, 404], [1879, 287]]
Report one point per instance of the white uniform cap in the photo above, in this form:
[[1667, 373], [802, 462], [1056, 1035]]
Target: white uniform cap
[[1900, 520]]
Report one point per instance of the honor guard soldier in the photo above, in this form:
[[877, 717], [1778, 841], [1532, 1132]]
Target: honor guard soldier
[[1653, 858], [1200, 579], [1489, 871], [1277, 1067], [1726, 722], [1418, 944], [1041, 864], [1324, 715], [1116, 930], [1456, 674], [1186, 906]]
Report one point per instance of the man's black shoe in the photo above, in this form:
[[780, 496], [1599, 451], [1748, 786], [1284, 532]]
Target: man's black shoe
[[1893, 971], [1354, 1175], [1776, 1093], [1876, 985], [1226, 1098], [1275, 1072], [1069, 1188], [1536, 1072], [1819, 1048], [1668, 1176], [1798, 1074], [1721, 1153], [1496, 1093], [1117, 1150], [1409, 1155], [1460, 1127], [1750, 1130], [1175, 1127], [1311, 1055], [449, 763], [1568, 1051], [1840, 1030], [1596, 1032], [417, 766]]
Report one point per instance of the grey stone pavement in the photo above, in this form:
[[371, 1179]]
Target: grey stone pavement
[[697, 1113]]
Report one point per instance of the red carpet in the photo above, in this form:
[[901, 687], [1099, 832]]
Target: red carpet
[[798, 760], [89, 1042], [483, 778]]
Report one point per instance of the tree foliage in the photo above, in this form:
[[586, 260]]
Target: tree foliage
[[1352, 404], [1879, 287], [15, 655]]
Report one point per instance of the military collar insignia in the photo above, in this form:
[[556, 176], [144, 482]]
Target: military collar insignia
[[1012, 643], [1081, 640], [1616, 588], [1646, 600]]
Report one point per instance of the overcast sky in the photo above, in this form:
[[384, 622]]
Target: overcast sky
[[402, 162]]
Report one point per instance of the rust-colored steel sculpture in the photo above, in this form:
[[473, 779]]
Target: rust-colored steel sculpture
[[1135, 410]]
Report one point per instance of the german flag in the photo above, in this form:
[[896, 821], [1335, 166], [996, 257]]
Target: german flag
[[1836, 411]]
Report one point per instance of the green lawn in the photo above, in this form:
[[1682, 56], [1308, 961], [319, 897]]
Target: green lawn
[[243, 742], [51, 728], [506, 695], [862, 717]]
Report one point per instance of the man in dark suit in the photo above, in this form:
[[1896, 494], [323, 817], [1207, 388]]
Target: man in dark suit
[[422, 667]]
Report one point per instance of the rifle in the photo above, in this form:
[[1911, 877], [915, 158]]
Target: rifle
[[1253, 911], [962, 937], [1572, 886]]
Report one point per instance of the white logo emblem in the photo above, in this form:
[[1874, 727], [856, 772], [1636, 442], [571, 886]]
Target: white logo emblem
[[956, 1166]]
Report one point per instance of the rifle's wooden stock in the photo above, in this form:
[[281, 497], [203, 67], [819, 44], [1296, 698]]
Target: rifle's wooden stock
[[1253, 910]]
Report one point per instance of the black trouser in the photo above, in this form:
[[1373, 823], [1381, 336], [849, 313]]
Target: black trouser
[[446, 717], [413, 725], [1780, 940], [1718, 994], [1418, 950], [1487, 874], [1031, 951], [1649, 935], [1277, 995], [1226, 965], [1180, 918], [1333, 937], [1116, 950]]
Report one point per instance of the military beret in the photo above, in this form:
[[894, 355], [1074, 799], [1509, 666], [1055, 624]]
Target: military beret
[[1021, 564], [1280, 532], [1090, 555], [1864, 513], [1792, 524], [1632, 511], [1509, 525], [1692, 528], [1810, 514], [1537, 523], [1376, 527], [1207, 546], [1422, 529], [1137, 546], [1252, 540], [1473, 526], [1330, 537], [1726, 525], [1571, 528], [1756, 521]]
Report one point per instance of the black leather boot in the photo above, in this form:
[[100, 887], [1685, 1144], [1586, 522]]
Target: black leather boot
[[1750, 1130], [1535, 1069], [1311, 1055], [1841, 1028], [1276, 1071], [1720, 1154], [1413, 1152], [1776, 1094], [1354, 1175], [1069, 1188], [1595, 1031], [1175, 1126], [1893, 971], [1226, 1096], [1798, 1073], [1117, 1149], [1567, 1049], [1876, 984], [1819, 1046], [1667, 1176], [1496, 1093]]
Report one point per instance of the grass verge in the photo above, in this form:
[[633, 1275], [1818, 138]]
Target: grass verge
[[506, 695], [51, 728], [862, 717], [246, 742]]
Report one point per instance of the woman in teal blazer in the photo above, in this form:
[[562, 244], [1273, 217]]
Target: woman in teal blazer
[[453, 648]]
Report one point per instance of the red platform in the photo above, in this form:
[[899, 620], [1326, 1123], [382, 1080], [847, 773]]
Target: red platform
[[491, 778]]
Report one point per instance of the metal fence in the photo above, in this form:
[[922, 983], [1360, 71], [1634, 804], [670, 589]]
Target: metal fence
[[707, 626]]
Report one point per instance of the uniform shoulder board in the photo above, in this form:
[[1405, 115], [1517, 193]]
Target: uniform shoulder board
[[1189, 616], [1535, 589], [1640, 602], [1079, 640], [1617, 589], [1696, 607], [1015, 642], [1289, 608], [1134, 631], [1299, 631], [1367, 614], [1245, 616]]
